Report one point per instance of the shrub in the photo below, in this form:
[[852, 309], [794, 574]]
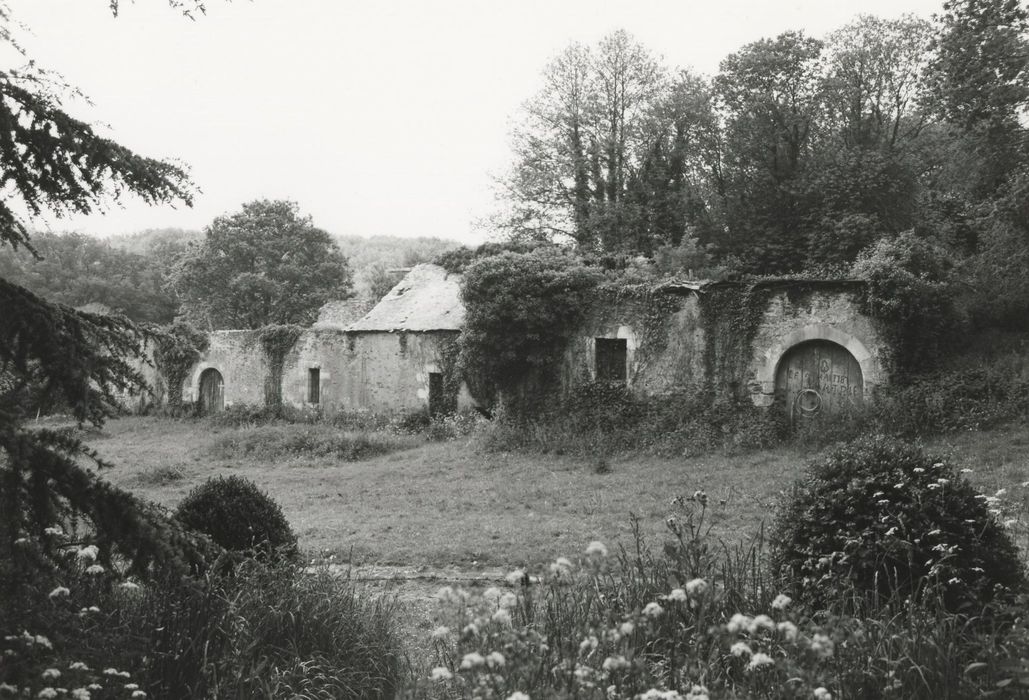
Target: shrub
[[881, 515], [285, 441], [238, 516]]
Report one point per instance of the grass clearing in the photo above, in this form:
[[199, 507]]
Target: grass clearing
[[448, 504]]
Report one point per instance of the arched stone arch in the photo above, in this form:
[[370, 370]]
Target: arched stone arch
[[768, 364]]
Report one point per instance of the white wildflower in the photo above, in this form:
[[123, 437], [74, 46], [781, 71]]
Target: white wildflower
[[822, 694], [614, 663], [472, 660], [77, 666], [440, 632], [131, 686], [696, 587], [515, 577], [129, 585], [502, 617], [47, 693], [596, 548], [51, 674], [740, 649], [80, 694], [626, 628], [588, 644], [508, 600], [761, 622], [518, 695], [822, 646], [492, 593], [138, 694], [54, 531], [652, 609], [758, 660], [495, 659], [59, 592], [441, 673], [677, 595], [738, 622], [95, 570], [788, 629]]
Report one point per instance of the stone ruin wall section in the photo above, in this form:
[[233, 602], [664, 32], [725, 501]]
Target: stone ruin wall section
[[833, 316], [358, 371], [238, 357], [662, 357]]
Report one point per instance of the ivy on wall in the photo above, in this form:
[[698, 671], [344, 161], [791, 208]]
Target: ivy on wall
[[176, 349], [651, 311], [276, 342], [450, 366], [731, 314]]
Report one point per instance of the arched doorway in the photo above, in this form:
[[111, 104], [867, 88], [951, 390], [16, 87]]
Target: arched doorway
[[211, 398], [817, 378]]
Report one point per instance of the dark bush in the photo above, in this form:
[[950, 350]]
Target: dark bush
[[237, 515], [878, 517]]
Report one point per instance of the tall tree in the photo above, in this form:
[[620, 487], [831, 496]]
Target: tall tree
[[769, 94], [868, 151], [605, 153], [267, 264], [979, 82]]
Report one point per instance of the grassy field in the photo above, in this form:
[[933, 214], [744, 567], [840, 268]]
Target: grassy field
[[439, 504]]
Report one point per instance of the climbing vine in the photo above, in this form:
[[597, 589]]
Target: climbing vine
[[520, 310], [176, 349], [731, 314], [276, 342], [652, 309]]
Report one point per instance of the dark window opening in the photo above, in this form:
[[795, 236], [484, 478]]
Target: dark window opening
[[611, 354], [314, 385], [436, 399]]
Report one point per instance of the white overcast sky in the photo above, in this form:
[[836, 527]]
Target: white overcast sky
[[377, 116]]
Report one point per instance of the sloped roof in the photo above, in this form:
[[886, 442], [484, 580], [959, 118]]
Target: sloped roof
[[340, 313], [427, 299]]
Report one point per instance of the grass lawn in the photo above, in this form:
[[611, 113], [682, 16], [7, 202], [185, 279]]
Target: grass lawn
[[446, 503]]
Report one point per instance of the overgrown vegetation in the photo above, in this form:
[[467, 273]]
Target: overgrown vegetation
[[276, 342], [520, 309], [307, 441], [265, 631], [896, 524], [176, 350], [705, 619]]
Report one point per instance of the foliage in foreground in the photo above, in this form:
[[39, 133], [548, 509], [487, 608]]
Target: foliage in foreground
[[707, 620], [891, 520], [238, 516], [263, 631]]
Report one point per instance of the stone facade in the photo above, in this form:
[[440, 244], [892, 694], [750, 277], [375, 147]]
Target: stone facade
[[674, 346], [356, 371], [726, 337]]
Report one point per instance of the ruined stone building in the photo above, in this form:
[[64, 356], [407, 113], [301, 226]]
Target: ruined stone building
[[806, 342]]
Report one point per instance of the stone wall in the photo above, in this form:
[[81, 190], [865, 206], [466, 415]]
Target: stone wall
[[357, 371], [664, 350], [686, 349]]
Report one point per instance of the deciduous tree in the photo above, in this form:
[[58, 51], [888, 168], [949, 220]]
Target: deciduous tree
[[266, 264]]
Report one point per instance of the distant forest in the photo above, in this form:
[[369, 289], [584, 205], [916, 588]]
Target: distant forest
[[130, 274]]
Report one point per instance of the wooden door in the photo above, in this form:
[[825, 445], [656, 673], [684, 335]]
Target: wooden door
[[212, 391], [818, 378]]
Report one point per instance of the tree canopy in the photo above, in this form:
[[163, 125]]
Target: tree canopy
[[266, 264], [800, 153]]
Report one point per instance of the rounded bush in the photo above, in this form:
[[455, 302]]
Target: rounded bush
[[877, 516], [237, 515]]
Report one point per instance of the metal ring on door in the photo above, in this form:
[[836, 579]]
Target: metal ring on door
[[811, 410]]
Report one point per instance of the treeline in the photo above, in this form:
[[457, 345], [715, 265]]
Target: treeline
[[800, 154], [145, 275]]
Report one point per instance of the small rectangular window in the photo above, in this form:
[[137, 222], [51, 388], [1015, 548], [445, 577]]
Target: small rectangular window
[[611, 359], [314, 385]]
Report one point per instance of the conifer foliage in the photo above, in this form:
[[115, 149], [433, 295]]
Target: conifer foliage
[[55, 163]]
